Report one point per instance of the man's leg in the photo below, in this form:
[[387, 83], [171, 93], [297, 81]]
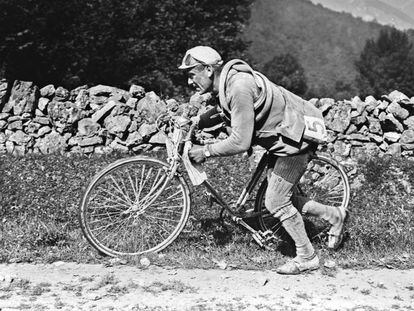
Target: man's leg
[[334, 215], [284, 175]]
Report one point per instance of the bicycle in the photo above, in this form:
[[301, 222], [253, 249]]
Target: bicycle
[[141, 204]]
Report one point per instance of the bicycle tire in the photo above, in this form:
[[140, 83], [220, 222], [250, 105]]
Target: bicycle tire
[[129, 208], [319, 182]]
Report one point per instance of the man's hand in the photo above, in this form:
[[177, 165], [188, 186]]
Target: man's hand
[[198, 99], [196, 154]]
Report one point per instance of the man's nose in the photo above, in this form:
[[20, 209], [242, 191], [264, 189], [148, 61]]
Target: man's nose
[[190, 82]]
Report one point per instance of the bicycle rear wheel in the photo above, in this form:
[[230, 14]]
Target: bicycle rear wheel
[[131, 207], [324, 181]]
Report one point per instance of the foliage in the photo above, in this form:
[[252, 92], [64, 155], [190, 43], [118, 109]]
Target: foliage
[[326, 43], [76, 42], [387, 64], [285, 70]]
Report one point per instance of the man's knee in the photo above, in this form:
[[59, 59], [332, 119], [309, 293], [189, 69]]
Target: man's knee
[[278, 197], [278, 193]]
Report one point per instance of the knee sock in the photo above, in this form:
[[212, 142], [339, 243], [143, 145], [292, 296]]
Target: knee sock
[[295, 227], [326, 212]]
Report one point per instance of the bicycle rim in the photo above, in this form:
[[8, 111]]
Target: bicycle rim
[[131, 207], [324, 181]]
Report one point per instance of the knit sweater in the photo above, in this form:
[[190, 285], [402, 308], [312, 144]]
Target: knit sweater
[[280, 129]]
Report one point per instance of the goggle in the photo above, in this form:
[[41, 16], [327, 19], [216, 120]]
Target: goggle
[[191, 61]]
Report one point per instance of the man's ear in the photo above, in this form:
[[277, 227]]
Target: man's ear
[[210, 71]]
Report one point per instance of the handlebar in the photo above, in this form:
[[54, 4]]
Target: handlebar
[[179, 129]]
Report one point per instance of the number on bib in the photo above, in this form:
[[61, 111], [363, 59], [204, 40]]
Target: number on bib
[[315, 129]]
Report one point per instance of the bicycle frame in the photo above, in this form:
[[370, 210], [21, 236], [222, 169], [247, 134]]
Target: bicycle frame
[[244, 196], [246, 192], [176, 155], [140, 181]]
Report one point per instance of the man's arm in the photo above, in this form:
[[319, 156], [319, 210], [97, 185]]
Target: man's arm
[[242, 94], [210, 118]]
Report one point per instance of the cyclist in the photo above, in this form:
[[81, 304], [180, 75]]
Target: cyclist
[[261, 113]]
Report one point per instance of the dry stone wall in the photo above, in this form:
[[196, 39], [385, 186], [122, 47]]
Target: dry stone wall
[[359, 128], [102, 119], [98, 119]]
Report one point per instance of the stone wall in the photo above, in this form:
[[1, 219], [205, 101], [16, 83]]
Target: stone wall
[[102, 119], [98, 119], [359, 128]]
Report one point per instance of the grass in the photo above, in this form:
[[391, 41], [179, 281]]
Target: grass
[[40, 289], [174, 286], [107, 279], [39, 198]]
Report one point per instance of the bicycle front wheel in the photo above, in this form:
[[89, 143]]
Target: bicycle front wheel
[[132, 207], [324, 181]]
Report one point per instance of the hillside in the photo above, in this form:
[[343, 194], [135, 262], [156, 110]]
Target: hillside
[[327, 43], [399, 13]]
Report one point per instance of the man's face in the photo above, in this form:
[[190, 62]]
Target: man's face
[[201, 78]]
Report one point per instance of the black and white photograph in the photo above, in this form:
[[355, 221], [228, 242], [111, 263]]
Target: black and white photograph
[[207, 155]]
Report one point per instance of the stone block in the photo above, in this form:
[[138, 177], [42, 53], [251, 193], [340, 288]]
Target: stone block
[[52, 142], [117, 124], [42, 105], [48, 91], [338, 117], [137, 91], [16, 125], [397, 111], [158, 138], [374, 126], [147, 130], [396, 96], [43, 131], [150, 107], [61, 94], [4, 116], [391, 137], [134, 139], [23, 98], [90, 141], [42, 120], [407, 137], [409, 122], [394, 150], [105, 110]]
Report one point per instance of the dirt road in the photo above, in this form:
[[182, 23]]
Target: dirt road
[[71, 286]]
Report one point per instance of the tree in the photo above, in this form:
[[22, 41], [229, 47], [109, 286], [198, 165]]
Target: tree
[[114, 42], [386, 64], [286, 71]]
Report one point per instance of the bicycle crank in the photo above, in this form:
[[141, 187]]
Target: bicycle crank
[[265, 239]]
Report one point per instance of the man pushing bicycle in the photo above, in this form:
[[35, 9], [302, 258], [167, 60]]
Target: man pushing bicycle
[[262, 113]]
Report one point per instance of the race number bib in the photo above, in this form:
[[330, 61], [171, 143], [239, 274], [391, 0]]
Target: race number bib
[[315, 129]]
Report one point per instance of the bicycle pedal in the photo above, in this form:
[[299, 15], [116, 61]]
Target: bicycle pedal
[[258, 239], [267, 233]]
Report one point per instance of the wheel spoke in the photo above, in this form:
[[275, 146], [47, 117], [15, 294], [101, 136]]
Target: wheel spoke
[[324, 182], [119, 190], [130, 209], [113, 195]]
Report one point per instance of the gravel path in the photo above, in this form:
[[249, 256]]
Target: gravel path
[[71, 286]]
